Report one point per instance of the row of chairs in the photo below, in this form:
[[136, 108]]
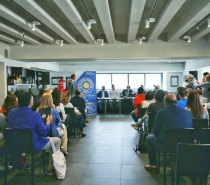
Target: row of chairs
[[195, 139]]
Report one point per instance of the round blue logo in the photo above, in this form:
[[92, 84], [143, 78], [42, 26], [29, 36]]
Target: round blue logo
[[86, 85]]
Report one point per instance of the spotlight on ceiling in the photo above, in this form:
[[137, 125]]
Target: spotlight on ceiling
[[59, 42], [147, 21], [141, 39], [187, 38], [20, 42], [34, 24], [90, 22], [100, 41], [208, 22]]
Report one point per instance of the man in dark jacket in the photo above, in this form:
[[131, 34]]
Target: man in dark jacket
[[171, 116]]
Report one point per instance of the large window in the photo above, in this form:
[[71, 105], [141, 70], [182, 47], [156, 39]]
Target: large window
[[103, 80], [152, 79], [135, 80], [148, 80], [120, 80]]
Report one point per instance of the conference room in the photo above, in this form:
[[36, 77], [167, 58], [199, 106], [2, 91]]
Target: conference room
[[153, 44]]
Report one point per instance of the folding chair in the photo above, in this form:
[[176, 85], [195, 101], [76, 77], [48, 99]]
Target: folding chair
[[193, 161], [171, 138]]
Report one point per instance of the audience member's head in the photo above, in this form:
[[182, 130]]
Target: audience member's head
[[194, 104], [9, 102], [46, 101], [77, 92], [170, 99], [204, 76], [140, 90], [159, 95], [57, 96], [208, 78], [182, 91], [128, 87], [149, 95], [190, 78], [103, 88], [66, 98], [25, 99]]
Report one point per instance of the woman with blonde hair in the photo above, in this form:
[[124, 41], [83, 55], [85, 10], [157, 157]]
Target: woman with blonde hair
[[194, 105], [57, 128]]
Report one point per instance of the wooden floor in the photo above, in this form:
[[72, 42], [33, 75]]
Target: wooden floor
[[104, 157]]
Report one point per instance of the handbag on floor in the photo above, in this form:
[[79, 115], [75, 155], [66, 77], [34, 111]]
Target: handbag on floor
[[59, 162]]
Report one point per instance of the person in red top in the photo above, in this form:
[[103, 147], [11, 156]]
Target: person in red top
[[137, 103], [60, 86]]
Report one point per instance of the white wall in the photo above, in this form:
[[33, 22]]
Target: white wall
[[3, 82], [168, 81]]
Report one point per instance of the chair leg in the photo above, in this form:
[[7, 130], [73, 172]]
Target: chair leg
[[158, 161], [32, 168], [164, 169], [5, 169], [44, 161]]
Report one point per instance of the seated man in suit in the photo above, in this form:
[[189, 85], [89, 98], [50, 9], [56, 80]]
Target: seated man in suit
[[128, 92], [171, 116], [102, 94]]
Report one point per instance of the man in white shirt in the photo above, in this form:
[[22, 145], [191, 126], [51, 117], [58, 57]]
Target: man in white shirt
[[114, 104]]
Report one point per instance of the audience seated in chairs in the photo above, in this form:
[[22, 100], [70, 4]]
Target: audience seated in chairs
[[23, 117], [57, 128], [182, 93], [78, 102], [195, 107], [79, 117], [137, 102], [144, 105], [171, 116], [9, 102]]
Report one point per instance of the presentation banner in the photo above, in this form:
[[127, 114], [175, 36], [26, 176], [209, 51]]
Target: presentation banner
[[86, 81]]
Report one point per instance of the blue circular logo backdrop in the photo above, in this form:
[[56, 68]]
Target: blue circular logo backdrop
[[86, 85]]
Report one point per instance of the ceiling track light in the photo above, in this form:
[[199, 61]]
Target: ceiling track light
[[187, 38], [148, 21], [141, 39], [208, 22], [59, 42], [100, 41], [90, 22], [34, 24], [20, 42]]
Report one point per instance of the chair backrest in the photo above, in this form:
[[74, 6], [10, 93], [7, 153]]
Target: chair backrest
[[70, 112], [18, 140], [193, 160], [80, 108], [142, 111], [200, 123], [44, 112], [205, 136], [151, 120], [175, 136]]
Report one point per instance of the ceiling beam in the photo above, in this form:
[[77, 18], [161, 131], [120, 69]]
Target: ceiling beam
[[70, 11], [18, 34], [167, 14], [137, 8], [16, 19], [196, 12], [102, 7], [7, 39], [33, 8]]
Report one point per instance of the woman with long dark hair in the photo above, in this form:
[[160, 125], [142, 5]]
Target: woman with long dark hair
[[194, 105]]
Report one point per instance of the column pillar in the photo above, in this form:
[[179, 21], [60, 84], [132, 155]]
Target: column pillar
[[3, 82]]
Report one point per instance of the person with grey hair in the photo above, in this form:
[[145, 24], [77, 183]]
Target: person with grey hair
[[171, 116], [72, 85]]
